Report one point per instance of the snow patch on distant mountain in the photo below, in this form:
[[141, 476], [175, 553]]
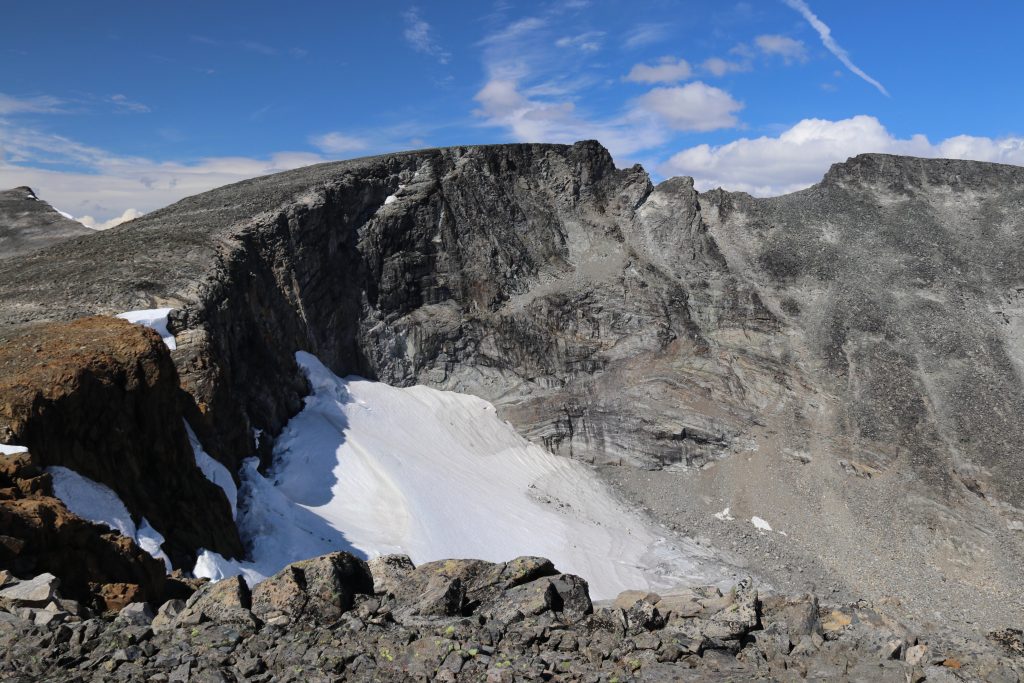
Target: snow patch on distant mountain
[[374, 469]]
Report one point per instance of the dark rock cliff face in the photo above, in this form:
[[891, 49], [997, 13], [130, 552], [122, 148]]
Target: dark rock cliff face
[[101, 396], [28, 223], [869, 325], [525, 274]]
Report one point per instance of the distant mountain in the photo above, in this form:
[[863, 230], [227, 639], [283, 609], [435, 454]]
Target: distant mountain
[[27, 223]]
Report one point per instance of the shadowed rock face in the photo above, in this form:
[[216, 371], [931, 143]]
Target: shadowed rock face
[[527, 274], [871, 321], [101, 396], [28, 223]]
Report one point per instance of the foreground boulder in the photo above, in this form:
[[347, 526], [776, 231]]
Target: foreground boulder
[[468, 620], [322, 588]]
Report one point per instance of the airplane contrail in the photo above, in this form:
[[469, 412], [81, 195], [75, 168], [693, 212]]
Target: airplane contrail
[[830, 43]]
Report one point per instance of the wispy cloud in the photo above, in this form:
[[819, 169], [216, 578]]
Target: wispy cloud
[[420, 35], [123, 104], [645, 34], [534, 89], [716, 66], [39, 104], [588, 42], [338, 143], [254, 46], [790, 49], [259, 48], [102, 187], [667, 70], [830, 43]]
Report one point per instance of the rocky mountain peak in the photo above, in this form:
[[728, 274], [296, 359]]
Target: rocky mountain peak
[[28, 223]]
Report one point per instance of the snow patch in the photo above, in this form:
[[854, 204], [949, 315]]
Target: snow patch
[[91, 500], [152, 541], [374, 469], [724, 515], [392, 198], [95, 502], [155, 318], [6, 449], [760, 524], [214, 470]]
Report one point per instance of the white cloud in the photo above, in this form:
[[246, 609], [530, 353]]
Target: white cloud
[[533, 120], [668, 70], [338, 143], [645, 34], [533, 90], [716, 66], [799, 157], [40, 104], [790, 49], [588, 42], [128, 215], [102, 185], [420, 35], [122, 103], [693, 107], [830, 43]]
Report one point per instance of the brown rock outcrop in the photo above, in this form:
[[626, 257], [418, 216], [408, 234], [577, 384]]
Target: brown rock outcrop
[[101, 396], [39, 534]]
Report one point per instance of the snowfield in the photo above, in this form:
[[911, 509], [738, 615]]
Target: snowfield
[[375, 469], [155, 318]]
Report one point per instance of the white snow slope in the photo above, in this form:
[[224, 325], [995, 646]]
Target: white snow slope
[[97, 503], [213, 470], [155, 318], [376, 469]]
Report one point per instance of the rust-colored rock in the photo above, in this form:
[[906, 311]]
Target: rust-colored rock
[[101, 396], [115, 596], [41, 535]]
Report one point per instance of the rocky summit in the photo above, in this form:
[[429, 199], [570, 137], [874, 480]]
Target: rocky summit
[[28, 223], [823, 388]]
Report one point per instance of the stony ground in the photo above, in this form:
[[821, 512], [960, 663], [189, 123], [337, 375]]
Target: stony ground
[[336, 618]]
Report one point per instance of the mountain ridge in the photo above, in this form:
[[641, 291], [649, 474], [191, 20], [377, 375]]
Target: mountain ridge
[[797, 358]]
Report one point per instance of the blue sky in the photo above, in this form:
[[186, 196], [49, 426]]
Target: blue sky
[[109, 109]]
